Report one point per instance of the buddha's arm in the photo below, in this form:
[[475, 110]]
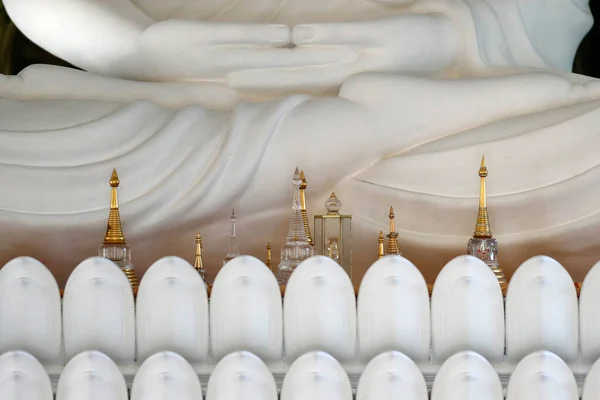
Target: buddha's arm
[[95, 35], [114, 38]]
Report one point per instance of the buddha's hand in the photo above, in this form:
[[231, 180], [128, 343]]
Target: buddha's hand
[[199, 50], [409, 43]]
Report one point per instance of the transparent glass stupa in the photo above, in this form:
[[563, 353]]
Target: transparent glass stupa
[[296, 248]]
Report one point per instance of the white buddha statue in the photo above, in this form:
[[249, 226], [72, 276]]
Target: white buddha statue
[[207, 105]]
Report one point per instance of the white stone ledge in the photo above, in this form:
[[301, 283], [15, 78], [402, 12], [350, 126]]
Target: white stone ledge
[[354, 372]]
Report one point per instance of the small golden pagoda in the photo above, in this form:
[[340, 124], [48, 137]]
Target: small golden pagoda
[[269, 262], [115, 247], [380, 252], [303, 187], [392, 247], [198, 259], [483, 245]]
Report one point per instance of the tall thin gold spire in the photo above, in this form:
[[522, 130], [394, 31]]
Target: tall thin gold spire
[[269, 262], [303, 187], [483, 245], [115, 248], [482, 227], [392, 247], [198, 259], [381, 253], [114, 229]]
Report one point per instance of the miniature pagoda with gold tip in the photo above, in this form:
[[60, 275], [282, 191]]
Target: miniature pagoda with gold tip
[[198, 265], [115, 247], [296, 248], [303, 187], [392, 247], [483, 245]]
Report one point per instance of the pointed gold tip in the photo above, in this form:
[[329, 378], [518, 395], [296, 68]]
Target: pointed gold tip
[[114, 229], [114, 179], [269, 246], [381, 236], [304, 184], [483, 169], [482, 227], [333, 196], [198, 238], [392, 223]]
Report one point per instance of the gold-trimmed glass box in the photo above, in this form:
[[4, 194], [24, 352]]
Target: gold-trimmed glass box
[[333, 234]]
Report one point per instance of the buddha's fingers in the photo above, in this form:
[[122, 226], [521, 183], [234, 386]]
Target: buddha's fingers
[[297, 79], [359, 34], [249, 34], [241, 59], [179, 34]]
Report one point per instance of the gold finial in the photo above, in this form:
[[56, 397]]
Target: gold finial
[[198, 261], [304, 184], [114, 230], [482, 227], [303, 187], [381, 254], [392, 247], [269, 261]]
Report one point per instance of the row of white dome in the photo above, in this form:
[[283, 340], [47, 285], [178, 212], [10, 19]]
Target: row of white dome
[[541, 375], [393, 311]]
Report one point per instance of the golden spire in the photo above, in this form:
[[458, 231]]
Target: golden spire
[[392, 247], [482, 227], [269, 261], [198, 260], [483, 245], [303, 187], [380, 241], [114, 230]]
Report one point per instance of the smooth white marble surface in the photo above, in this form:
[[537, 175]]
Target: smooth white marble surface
[[91, 374], [208, 112], [246, 311], [164, 376], [30, 310], [542, 375], [391, 375], [542, 311], [467, 311], [23, 377], [319, 311], [316, 375], [98, 312], [241, 375], [467, 376], [171, 311], [589, 315], [393, 310]]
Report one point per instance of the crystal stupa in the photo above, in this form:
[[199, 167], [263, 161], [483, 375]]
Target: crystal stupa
[[296, 248]]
